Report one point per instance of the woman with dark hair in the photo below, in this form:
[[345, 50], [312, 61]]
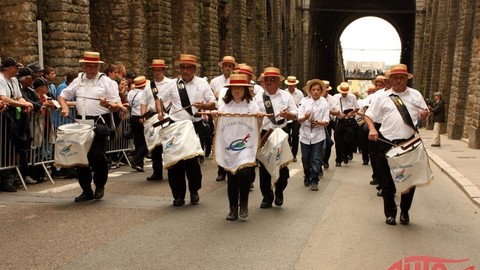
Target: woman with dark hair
[[238, 101]]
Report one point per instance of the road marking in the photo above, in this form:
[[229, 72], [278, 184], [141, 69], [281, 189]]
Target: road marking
[[60, 189]]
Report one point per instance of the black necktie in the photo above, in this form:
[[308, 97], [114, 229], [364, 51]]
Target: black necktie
[[402, 109]]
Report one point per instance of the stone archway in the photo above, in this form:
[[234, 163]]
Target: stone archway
[[330, 18]]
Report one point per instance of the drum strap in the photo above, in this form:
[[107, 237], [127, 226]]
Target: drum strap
[[269, 110], [402, 109], [182, 91]]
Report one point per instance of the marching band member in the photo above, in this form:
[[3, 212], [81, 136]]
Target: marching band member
[[188, 94], [238, 100], [314, 116], [96, 97], [136, 124], [279, 103], [398, 124]]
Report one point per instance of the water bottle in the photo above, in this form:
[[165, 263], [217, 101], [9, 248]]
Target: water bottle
[[17, 113]]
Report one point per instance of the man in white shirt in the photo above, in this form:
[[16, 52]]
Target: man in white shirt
[[284, 108], [96, 96], [347, 106], [188, 94], [149, 102], [293, 126], [395, 129], [15, 115]]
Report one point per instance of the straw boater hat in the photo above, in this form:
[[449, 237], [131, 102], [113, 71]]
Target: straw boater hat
[[261, 78], [291, 80], [189, 59], [91, 57], [400, 69], [238, 80], [158, 63], [327, 85], [343, 88], [312, 82], [387, 74], [378, 78], [227, 59], [245, 69], [273, 72], [140, 82]]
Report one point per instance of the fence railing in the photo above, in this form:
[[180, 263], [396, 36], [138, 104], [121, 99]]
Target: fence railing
[[43, 129]]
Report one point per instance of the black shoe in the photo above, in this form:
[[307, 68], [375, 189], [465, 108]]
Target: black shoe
[[194, 198], [233, 215], [251, 186], [294, 159], [178, 202], [338, 164], [345, 160], [85, 196], [350, 157], [326, 165], [374, 182], [306, 182], [404, 218], [243, 213], [201, 159], [390, 221], [221, 177], [266, 203], [278, 198], [365, 163], [435, 145], [379, 193], [155, 177], [99, 192]]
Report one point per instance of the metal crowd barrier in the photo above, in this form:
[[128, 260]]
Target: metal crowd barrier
[[43, 132]]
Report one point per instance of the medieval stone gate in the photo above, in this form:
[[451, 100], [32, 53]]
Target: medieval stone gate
[[439, 39]]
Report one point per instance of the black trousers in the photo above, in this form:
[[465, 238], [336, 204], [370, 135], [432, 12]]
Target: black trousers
[[176, 177], [139, 141], [97, 161], [189, 168], [239, 186], [344, 136], [157, 160], [388, 186], [293, 131], [328, 148], [266, 182]]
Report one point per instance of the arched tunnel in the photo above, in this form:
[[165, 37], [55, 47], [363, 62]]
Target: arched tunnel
[[330, 18]]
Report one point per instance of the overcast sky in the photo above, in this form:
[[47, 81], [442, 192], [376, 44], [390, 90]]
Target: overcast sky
[[371, 39]]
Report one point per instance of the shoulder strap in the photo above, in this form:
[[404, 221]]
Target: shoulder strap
[[402, 109], [182, 91], [154, 89], [269, 107]]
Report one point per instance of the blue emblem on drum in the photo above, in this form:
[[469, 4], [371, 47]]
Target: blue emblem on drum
[[170, 143], [400, 175], [238, 145], [66, 149], [277, 157]]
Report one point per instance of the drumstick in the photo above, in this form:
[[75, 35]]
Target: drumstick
[[233, 114], [387, 142]]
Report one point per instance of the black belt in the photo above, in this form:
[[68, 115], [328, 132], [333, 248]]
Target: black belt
[[399, 141], [105, 117]]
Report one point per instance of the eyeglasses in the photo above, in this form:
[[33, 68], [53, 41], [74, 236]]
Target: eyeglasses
[[271, 79]]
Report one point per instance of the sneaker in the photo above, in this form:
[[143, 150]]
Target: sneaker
[[29, 180], [314, 186]]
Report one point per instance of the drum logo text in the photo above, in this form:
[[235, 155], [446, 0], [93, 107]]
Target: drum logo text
[[425, 262]]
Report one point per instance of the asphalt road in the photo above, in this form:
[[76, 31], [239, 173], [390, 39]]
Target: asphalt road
[[135, 226]]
